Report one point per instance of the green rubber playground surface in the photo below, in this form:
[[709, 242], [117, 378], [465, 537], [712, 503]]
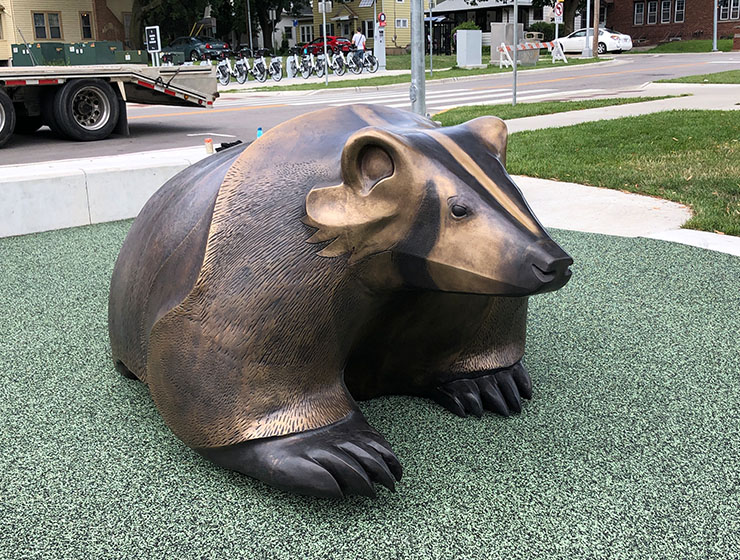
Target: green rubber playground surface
[[629, 449]]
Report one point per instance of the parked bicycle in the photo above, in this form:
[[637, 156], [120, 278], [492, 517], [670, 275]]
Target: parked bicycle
[[294, 61], [337, 64], [357, 61], [311, 64], [274, 68]]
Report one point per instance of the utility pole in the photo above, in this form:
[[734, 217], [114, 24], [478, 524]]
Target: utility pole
[[249, 26], [417, 91], [715, 5], [587, 52], [515, 45], [431, 39], [597, 8]]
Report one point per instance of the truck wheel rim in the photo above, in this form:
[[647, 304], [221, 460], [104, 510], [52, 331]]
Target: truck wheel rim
[[2, 117], [91, 108]]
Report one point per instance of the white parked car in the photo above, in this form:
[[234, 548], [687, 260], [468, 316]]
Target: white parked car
[[609, 41]]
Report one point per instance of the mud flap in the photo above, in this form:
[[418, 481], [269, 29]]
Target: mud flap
[[122, 124]]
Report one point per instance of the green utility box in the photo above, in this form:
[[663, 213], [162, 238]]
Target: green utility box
[[43, 54], [80, 53], [177, 57], [132, 57]]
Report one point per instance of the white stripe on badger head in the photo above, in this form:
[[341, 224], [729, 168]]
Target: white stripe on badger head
[[474, 169]]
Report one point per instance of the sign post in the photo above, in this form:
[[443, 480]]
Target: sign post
[[153, 43], [323, 7], [516, 43], [417, 91], [557, 11]]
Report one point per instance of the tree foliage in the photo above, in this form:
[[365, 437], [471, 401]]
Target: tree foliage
[[570, 8], [176, 18]]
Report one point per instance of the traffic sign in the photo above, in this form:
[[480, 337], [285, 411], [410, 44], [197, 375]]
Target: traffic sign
[[153, 43], [557, 11]]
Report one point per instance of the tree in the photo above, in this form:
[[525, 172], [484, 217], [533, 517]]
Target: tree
[[570, 7]]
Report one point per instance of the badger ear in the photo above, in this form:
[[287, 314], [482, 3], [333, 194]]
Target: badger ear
[[492, 132], [357, 214]]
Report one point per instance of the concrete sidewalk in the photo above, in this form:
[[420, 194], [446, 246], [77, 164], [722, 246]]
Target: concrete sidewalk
[[58, 194]]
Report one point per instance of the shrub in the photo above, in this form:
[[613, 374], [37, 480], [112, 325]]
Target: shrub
[[547, 29], [466, 25]]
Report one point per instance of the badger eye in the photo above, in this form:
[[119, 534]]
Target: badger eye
[[459, 211]]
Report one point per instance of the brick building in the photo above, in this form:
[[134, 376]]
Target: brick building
[[654, 21]]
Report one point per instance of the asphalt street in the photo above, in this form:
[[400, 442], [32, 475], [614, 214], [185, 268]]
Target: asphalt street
[[237, 115]]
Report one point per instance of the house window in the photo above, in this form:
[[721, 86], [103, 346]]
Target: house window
[[680, 7], [368, 28], [306, 33], [652, 13], [724, 10], [537, 14], [86, 24], [665, 11], [47, 25], [288, 31], [639, 13], [1, 25], [402, 23], [735, 10]]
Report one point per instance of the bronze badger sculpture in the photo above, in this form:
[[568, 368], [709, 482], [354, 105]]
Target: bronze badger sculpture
[[348, 253]]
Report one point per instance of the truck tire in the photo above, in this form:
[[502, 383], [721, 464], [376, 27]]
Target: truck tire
[[86, 109], [47, 110], [7, 117]]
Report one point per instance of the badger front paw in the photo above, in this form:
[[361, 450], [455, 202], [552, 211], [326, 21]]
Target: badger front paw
[[499, 391], [343, 458]]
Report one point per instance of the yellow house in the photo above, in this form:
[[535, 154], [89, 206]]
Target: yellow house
[[61, 21], [346, 17]]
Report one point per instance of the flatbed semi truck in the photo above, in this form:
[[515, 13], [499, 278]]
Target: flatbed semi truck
[[86, 103]]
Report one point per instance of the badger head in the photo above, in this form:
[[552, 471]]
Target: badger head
[[442, 204]]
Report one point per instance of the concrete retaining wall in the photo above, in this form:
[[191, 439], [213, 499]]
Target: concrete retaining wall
[[54, 195]]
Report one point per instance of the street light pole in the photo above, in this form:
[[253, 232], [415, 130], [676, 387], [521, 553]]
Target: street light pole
[[587, 52], [417, 91], [715, 5]]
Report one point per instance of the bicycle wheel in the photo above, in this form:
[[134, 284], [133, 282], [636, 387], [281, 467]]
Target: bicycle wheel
[[305, 69], [338, 67], [371, 63], [354, 66], [320, 68], [277, 71], [223, 76], [293, 68], [241, 73], [260, 73]]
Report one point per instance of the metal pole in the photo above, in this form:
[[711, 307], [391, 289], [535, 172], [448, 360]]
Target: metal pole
[[514, 46], [587, 52], [715, 5], [326, 61], [417, 91], [249, 26], [431, 38], [597, 6]]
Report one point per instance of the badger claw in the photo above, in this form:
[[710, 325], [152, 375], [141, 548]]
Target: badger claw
[[343, 458], [497, 391]]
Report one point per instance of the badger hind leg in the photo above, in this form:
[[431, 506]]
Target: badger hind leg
[[343, 458]]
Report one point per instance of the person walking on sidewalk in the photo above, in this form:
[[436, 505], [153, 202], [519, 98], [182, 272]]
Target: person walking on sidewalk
[[358, 40]]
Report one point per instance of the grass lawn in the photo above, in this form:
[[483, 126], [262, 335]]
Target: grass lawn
[[503, 111], [691, 46], [335, 82], [691, 157], [628, 449], [403, 61], [727, 77]]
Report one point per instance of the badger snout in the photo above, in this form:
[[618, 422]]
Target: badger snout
[[550, 265]]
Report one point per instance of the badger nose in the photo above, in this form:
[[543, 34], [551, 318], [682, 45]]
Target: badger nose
[[550, 264]]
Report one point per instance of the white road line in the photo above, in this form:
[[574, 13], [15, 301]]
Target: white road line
[[211, 134], [431, 98], [519, 98]]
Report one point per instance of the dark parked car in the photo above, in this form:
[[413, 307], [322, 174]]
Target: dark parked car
[[333, 43], [198, 48]]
